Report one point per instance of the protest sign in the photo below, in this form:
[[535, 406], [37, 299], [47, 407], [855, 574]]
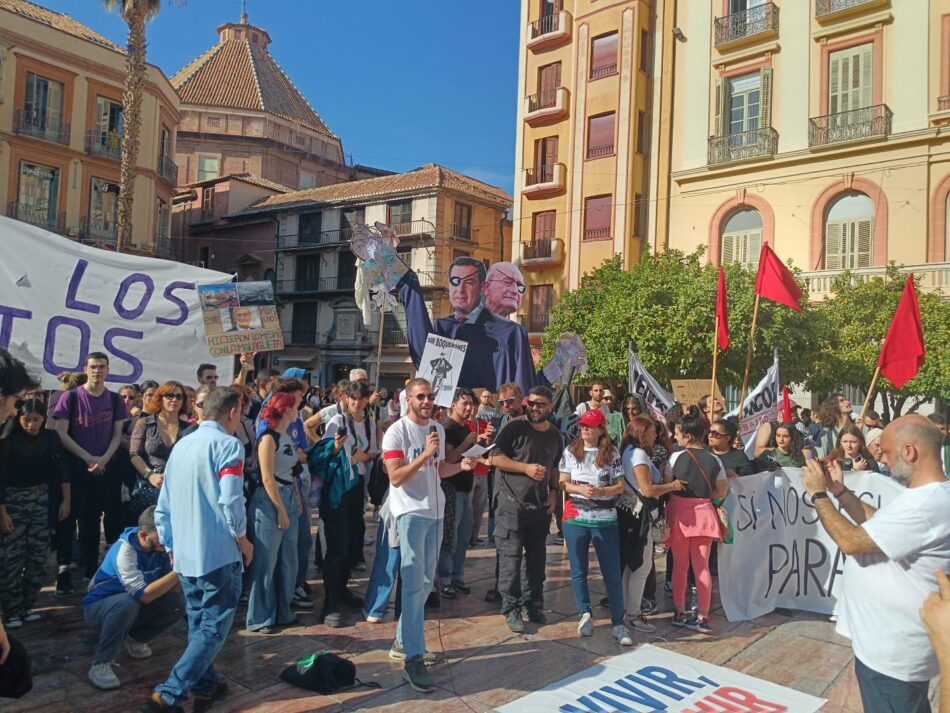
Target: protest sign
[[60, 300], [690, 391], [441, 366], [650, 679], [781, 555], [640, 381], [762, 404], [240, 317]]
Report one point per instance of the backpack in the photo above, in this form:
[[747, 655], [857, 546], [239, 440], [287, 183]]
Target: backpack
[[324, 672]]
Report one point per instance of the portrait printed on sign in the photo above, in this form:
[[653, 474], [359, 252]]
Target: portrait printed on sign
[[240, 317]]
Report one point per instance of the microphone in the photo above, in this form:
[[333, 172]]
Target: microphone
[[434, 429]]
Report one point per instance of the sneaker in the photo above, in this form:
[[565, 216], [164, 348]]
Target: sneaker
[[155, 704], [646, 606], [700, 624], [203, 702], [641, 624], [536, 616], [448, 592], [668, 589], [333, 619], [64, 582], [103, 677], [31, 616], [622, 635], [681, 618], [396, 653], [301, 600], [419, 678], [461, 587], [370, 619], [492, 595], [515, 622], [13, 622], [586, 625], [137, 649]]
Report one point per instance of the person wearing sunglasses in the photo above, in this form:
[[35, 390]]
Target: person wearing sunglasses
[[527, 454], [504, 289], [152, 441], [722, 434]]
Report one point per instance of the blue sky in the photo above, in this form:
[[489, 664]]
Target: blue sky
[[402, 82]]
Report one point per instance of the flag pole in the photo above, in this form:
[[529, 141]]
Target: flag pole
[[379, 346], [748, 360], [867, 399], [712, 385]]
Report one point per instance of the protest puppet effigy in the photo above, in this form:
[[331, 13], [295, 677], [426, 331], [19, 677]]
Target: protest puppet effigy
[[781, 555], [60, 300]]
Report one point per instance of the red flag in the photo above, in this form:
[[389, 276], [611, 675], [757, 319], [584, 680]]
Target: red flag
[[902, 353], [786, 405], [722, 311], [774, 281]]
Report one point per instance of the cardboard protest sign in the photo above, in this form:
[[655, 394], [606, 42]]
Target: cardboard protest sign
[[60, 300], [649, 679], [441, 366], [240, 317], [690, 391], [781, 555]]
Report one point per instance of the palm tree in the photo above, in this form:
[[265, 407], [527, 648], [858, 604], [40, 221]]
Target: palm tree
[[135, 13]]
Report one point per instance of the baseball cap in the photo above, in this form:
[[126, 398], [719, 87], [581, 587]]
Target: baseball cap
[[594, 417]]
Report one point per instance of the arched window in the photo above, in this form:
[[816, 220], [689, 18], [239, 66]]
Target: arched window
[[742, 237], [848, 232], [946, 230]]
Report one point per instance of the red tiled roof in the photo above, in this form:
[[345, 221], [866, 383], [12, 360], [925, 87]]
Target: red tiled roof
[[239, 74], [429, 176], [59, 21], [251, 178]]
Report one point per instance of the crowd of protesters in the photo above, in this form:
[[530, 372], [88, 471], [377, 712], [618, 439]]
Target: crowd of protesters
[[213, 494]]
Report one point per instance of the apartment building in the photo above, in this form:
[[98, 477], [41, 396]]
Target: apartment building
[[61, 87], [817, 126], [583, 143], [437, 213]]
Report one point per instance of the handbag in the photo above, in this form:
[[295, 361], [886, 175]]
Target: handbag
[[324, 672], [725, 528]]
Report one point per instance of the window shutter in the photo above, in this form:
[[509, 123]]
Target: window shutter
[[721, 122], [753, 247], [728, 249], [833, 246], [862, 228], [863, 96], [765, 107], [834, 74]]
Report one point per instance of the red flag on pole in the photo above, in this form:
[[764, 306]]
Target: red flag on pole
[[774, 281], [902, 353], [786, 405], [722, 311]]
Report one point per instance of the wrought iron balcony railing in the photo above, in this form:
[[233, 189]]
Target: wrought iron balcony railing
[[545, 25], [867, 122], [544, 173], [747, 23], [828, 7], [759, 143], [542, 100], [312, 239], [38, 215], [104, 143], [94, 230], [536, 320], [395, 336], [47, 128], [461, 232], [412, 228], [168, 170]]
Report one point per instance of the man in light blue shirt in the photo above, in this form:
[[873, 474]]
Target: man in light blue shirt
[[201, 521]]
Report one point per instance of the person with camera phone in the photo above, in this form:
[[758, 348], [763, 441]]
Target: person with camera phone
[[852, 452]]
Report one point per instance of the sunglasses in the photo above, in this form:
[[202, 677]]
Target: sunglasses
[[507, 401], [424, 397], [537, 404], [585, 427], [717, 434], [173, 397]]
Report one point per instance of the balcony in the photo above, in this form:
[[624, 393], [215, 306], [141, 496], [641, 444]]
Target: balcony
[[751, 25], [94, 231], [428, 278], [461, 232], [45, 128], [603, 70], [943, 103], [935, 276], [310, 240], [832, 10], [546, 106], [163, 247], [168, 170], [535, 321], [596, 233], [870, 122], [414, 229], [312, 285], [300, 337], [103, 143], [600, 151], [39, 216], [544, 180], [542, 253], [395, 337], [744, 146], [549, 31]]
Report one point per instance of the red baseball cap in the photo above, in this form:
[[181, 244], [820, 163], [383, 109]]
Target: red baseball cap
[[594, 417]]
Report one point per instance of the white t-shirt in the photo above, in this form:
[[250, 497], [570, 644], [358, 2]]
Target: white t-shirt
[[363, 441], [584, 406], [420, 494], [588, 512], [881, 595], [633, 457]]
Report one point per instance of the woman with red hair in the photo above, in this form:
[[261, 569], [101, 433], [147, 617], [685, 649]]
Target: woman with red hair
[[275, 512]]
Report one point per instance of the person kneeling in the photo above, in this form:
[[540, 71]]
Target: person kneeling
[[132, 599]]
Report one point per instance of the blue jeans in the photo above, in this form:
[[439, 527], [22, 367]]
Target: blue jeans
[[121, 615], [607, 546], [210, 602], [304, 535], [274, 567], [382, 579], [419, 541], [452, 562], [883, 694]]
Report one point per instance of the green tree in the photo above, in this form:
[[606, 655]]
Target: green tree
[[135, 13], [666, 306], [857, 317]]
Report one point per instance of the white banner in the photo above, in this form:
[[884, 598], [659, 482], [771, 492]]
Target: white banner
[[649, 679], [640, 381], [781, 555], [762, 404], [441, 366], [60, 300]]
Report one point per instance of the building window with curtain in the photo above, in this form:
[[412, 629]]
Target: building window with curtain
[[42, 115], [103, 211], [37, 195], [106, 138], [597, 211], [741, 240], [742, 127], [208, 167], [603, 56], [600, 135], [849, 232], [462, 227]]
